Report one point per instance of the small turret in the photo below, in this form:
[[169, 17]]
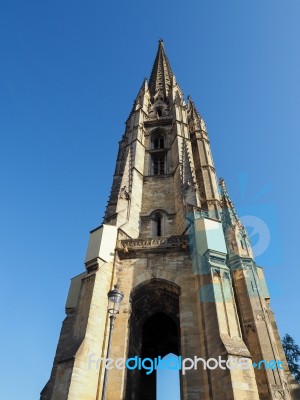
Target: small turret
[[237, 239]]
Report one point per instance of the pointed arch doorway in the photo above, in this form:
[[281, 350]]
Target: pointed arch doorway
[[154, 331]]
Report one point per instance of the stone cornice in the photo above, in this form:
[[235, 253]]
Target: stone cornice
[[153, 243], [158, 122], [241, 263]]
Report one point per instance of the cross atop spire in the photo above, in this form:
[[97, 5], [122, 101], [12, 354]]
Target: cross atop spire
[[161, 75]]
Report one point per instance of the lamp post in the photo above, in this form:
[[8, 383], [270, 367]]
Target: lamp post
[[115, 297]]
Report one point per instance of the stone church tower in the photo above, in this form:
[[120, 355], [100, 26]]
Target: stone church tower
[[174, 244]]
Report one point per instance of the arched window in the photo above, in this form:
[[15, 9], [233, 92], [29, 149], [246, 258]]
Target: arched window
[[158, 153], [158, 221], [158, 140], [159, 111], [158, 164]]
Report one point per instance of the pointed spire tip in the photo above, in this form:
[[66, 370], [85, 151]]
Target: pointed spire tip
[[161, 75]]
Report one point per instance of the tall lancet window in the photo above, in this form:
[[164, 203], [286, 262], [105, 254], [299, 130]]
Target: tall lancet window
[[158, 141], [158, 164], [157, 224], [158, 153], [157, 219]]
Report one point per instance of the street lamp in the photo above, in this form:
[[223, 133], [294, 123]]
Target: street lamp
[[115, 297]]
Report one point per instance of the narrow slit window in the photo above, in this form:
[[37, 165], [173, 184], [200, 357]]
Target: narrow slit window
[[157, 224]]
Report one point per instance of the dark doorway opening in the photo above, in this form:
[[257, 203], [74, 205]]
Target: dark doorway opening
[[154, 331], [159, 338]]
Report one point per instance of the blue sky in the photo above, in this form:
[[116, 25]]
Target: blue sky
[[70, 71], [167, 378]]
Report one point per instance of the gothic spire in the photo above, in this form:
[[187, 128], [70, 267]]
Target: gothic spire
[[161, 75]]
